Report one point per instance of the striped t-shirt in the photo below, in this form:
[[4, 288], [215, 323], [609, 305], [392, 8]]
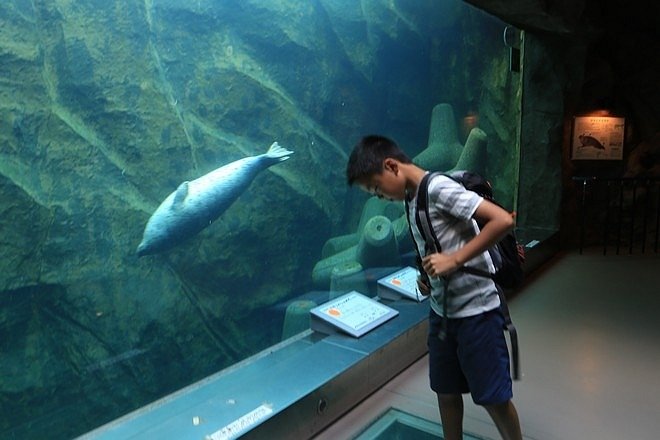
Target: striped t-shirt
[[451, 208]]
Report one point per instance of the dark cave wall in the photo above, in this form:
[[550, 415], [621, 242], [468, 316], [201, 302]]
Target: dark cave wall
[[598, 54]]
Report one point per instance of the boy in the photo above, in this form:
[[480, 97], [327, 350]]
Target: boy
[[472, 356]]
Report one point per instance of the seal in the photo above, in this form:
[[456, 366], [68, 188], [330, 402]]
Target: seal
[[196, 204]]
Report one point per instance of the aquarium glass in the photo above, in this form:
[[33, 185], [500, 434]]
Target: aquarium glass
[[110, 112], [542, 132]]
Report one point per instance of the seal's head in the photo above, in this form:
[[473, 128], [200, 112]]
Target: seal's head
[[142, 249]]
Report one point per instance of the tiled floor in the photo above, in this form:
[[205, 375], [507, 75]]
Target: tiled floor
[[589, 329]]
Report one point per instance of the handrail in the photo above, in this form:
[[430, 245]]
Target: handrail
[[616, 179], [627, 207]]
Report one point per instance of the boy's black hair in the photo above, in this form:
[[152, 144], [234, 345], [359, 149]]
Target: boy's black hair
[[368, 155]]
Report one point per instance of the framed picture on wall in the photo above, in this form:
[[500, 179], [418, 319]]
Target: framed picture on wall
[[598, 138]]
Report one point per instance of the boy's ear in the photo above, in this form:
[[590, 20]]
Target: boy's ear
[[391, 165]]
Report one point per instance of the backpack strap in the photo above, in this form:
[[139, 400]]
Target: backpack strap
[[423, 217], [513, 334], [431, 242]]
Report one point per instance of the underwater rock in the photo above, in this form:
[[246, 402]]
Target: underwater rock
[[343, 249], [443, 149], [324, 268], [372, 207], [296, 318], [377, 246], [346, 277], [475, 153], [322, 271], [340, 243]]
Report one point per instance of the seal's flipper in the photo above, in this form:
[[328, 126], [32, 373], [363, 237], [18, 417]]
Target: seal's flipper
[[180, 196], [278, 153]]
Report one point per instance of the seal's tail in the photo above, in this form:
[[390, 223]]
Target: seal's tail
[[278, 153]]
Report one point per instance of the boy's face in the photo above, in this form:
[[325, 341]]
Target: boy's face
[[388, 184]]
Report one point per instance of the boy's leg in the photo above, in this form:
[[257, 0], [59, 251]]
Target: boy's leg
[[451, 414], [447, 379], [505, 417], [485, 361]]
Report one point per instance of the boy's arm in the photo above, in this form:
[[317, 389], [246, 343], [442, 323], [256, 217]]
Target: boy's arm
[[496, 223]]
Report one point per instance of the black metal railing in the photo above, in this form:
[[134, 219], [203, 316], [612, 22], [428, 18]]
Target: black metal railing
[[619, 213]]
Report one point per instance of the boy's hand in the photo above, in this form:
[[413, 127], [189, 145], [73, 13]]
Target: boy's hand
[[439, 264]]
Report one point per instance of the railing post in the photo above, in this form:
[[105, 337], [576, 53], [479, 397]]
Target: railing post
[[633, 208], [606, 226], [657, 216], [584, 213], [620, 220], [645, 213]]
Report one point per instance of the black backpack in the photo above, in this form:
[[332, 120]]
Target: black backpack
[[507, 254]]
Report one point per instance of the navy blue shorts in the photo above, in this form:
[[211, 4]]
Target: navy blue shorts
[[473, 358]]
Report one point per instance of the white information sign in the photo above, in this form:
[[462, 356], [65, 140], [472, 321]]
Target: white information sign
[[353, 313], [598, 138], [401, 284], [242, 425]]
